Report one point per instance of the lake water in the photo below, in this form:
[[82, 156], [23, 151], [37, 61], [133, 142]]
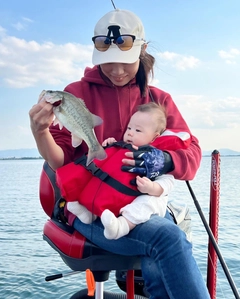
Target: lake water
[[26, 259]]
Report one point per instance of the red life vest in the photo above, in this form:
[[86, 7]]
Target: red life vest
[[103, 185]]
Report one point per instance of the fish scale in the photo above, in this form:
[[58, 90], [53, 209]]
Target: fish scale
[[90, 138]]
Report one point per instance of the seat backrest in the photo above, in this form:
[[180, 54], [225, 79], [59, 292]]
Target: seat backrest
[[49, 193]]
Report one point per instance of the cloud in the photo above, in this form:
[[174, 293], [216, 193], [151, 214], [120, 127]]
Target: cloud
[[28, 63], [2, 31], [179, 61], [230, 56], [19, 26], [23, 24], [201, 112], [27, 20]]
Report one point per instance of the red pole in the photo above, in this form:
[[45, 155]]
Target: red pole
[[130, 284], [213, 223]]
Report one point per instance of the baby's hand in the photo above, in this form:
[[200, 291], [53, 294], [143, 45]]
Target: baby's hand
[[109, 141], [144, 184]]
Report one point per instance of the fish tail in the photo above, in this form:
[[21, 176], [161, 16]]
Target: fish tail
[[100, 154]]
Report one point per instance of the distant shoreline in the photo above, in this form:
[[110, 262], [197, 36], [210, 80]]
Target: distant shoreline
[[23, 158], [222, 155], [41, 158]]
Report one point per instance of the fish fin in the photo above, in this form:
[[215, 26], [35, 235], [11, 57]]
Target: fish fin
[[57, 122], [96, 120], [83, 102], [76, 141], [100, 154]]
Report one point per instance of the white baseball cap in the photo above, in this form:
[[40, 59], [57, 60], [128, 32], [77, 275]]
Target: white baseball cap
[[113, 24]]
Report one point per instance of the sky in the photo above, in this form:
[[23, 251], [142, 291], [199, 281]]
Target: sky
[[47, 45]]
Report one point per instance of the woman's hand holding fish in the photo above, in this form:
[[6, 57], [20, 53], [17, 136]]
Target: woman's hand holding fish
[[41, 116]]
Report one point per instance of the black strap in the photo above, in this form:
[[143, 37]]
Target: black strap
[[52, 177], [58, 210], [122, 144], [106, 178]]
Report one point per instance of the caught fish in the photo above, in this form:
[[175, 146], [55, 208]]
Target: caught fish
[[72, 113]]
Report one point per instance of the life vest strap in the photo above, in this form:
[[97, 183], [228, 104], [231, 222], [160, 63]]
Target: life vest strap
[[106, 178]]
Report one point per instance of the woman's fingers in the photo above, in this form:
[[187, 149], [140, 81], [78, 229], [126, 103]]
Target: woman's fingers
[[128, 162], [41, 116]]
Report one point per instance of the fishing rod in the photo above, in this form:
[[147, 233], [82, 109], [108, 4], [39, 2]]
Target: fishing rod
[[214, 243], [113, 4], [60, 275]]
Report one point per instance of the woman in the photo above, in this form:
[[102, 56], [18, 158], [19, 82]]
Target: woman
[[113, 89]]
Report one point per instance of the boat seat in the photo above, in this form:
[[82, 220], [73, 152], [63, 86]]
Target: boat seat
[[80, 254]]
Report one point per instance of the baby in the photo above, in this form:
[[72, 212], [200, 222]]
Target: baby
[[146, 126]]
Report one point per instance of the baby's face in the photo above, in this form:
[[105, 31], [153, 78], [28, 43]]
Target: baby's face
[[141, 129]]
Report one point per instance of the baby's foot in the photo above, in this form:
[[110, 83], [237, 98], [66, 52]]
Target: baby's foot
[[114, 227], [81, 212]]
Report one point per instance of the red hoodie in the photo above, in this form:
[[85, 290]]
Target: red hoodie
[[115, 105]]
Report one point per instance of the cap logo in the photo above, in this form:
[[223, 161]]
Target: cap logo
[[115, 31]]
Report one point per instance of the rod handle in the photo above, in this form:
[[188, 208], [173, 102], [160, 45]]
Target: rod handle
[[52, 277]]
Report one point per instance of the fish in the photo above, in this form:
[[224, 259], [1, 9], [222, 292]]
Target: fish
[[71, 112]]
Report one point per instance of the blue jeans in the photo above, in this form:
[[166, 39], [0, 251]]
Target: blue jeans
[[168, 267]]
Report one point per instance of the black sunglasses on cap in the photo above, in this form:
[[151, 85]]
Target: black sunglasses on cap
[[124, 42]]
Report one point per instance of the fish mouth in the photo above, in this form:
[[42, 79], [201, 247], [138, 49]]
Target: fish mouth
[[57, 103]]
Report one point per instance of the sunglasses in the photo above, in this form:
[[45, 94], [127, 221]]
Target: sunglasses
[[124, 42]]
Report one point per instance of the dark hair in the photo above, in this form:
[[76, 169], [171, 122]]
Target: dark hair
[[144, 71]]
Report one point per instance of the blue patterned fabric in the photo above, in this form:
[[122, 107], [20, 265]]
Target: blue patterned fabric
[[149, 162]]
